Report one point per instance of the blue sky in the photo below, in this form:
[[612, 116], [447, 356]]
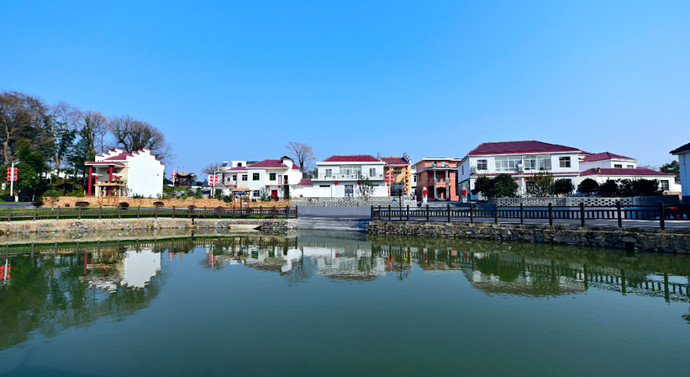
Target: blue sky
[[238, 80]]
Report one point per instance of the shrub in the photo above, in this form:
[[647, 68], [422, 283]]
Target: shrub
[[158, 204], [77, 193], [124, 205], [80, 204], [227, 198], [37, 203], [191, 207], [563, 187], [588, 186]]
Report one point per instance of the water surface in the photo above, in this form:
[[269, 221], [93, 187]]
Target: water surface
[[316, 304]]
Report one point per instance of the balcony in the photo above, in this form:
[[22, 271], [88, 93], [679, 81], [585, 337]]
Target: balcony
[[439, 180], [346, 177]]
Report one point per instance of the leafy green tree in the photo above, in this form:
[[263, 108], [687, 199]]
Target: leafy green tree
[[563, 187], [504, 186], [588, 186], [540, 184], [609, 188], [672, 167], [484, 186]]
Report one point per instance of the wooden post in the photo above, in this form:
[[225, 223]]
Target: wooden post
[[582, 214], [296, 212], [274, 213], [408, 213], [427, 213], [522, 213], [471, 213], [378, 217], [155, 212], [173, 212], [550, 214], [662, 220], [261, 212], [371, 212], [448, 207], [390, 215], [204, 212], [119, 212], [34, 213], [58, 213], [620, 212], [100, 212], [496, 214], [79, 212]]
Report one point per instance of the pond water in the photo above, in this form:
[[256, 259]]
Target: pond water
[[329, 304]]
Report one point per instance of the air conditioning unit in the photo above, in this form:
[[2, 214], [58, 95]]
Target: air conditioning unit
[[520, 168], [473, 169]]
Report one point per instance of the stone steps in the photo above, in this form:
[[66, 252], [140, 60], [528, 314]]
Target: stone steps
[[323, 223]]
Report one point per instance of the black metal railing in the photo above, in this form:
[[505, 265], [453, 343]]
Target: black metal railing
[[552, 214]]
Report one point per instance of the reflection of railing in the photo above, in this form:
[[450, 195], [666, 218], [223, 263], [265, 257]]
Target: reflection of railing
[[551, 214], [64, 213]]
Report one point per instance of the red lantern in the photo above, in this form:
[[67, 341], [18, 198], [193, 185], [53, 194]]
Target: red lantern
[[425, 192], [464, 192], [267, 186], [336, 183], [357, 182]]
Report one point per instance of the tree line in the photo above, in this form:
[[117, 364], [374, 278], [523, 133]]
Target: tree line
[[50, 144]]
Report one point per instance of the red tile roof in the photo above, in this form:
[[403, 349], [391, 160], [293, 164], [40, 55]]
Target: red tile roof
[[604, 156], [394, 161], [510, 147], [352, 158], [108, 163], [238, 168], [268, 164], [119, 157], [305, 182], [622, 172], [684, 148]]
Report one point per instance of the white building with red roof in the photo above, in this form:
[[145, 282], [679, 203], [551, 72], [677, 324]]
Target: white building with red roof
[[608, 166], [121, 173], [519, 159], [339, 176], [278, 176], [683, 154]]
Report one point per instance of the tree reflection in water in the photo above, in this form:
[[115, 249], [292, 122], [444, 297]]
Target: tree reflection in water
[[52, 289]]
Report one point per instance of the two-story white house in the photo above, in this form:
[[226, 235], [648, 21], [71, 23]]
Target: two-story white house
[[339, 176], [278, 176], [608, 166], [683, 154], [121, 173], [519, 159]]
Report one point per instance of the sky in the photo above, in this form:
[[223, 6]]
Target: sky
[[237, 80]]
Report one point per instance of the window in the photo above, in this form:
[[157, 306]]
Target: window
[[255, 176], [329, 173], [325, 186], [631, 166], [463, 169], [244, 177], [372, 172], [564, 162], [234, 178], [271, 176], [415, 178], [351, 170], [507, 163], [617, 166], [256, 193], [239, 164], [482, 165], [533, 162], [664, 185]]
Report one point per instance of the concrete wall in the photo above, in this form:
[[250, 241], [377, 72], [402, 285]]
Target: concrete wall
[[111, 226], [588, 201], [644, 239]]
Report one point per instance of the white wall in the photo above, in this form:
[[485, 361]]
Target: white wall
[[144, 175], [606, 164], [684, 162]]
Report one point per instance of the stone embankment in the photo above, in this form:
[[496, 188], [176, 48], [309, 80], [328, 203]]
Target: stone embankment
[[109, 225], [643, 239], [148, 202]]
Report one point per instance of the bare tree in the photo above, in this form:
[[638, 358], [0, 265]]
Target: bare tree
[[97, 125], [132, 135], [302, 154], [66, 115], [21, 117], [211, 168]]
